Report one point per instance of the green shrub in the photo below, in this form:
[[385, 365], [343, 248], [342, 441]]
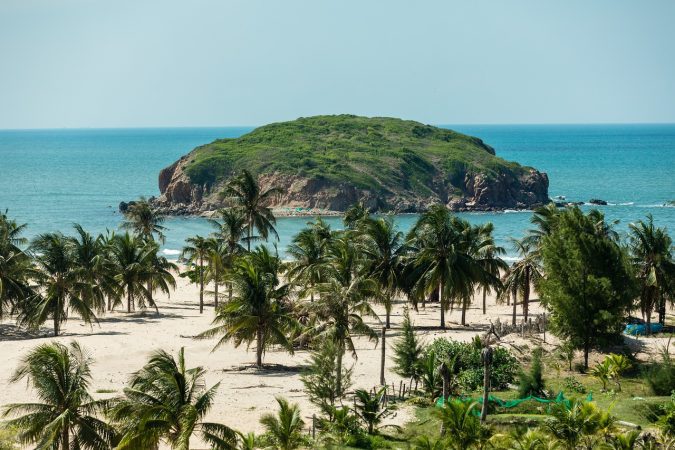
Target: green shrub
[[571, 384], [8, 438], [470, 368], [532, 382], [660, 377]]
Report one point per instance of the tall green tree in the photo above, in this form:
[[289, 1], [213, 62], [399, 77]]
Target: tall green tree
[[229, 232], [196, 252], [383, 249], [345, 294], [16, 267], [253, 202], [166, 401], [308, 250], [588, 285], [651, 255], [131, 258], [144, 220], [407, 350], [60, 286], [65, 416], [259, 311], [520, 277]]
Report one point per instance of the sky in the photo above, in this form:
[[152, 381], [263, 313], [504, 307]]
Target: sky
[[165, 63]]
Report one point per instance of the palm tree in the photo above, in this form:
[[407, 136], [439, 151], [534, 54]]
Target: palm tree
[[60, 286], [285, 428], [15, 265], [449, 252], [166, 401], [383, 248], [488, 255], [461, 426], [93, 268], [578, 423], [132, 260], [245, 191], [344, 293], [144, 221], [196, 252], [354, 215], [230, 232], [308, 250], [652, 258], [260, 310], [65, 417], [160, 273], [522, 274]]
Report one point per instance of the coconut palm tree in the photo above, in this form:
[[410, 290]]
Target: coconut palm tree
[[579, 424], [230, 233], [60, 286], [259, 311], [354, 215], [93, 269], [522, 274], [488, 255], [132, 260], [345, 294], [196, 252], [15, 265], [308, 250], [144, 221], [652, 258], [253, 202], [285, 429], [166, 401], [160, 273], [65, 416], [461, 426], [383, 248], [449, 251]]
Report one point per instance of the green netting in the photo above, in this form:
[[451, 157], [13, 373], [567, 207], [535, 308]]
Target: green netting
[[559, 399]]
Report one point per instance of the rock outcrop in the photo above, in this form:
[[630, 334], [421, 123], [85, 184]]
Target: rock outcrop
[[415, 180]]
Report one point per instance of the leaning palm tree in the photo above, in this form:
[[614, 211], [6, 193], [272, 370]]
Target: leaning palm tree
[[59, 285], [66, 416], [166, 401], [284, 429], [196, 252], [131, 259], [229, 233], [488, 256], [383, 248], [520, 276], [308, 250], [144, 221], [15, 266], [259, 311], [345, 294], [253, 202], [652, 258]]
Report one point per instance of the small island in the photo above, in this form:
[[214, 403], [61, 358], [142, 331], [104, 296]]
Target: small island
[[326, 163]]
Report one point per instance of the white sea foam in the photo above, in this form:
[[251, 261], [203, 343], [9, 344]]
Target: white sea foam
[[170, 251]]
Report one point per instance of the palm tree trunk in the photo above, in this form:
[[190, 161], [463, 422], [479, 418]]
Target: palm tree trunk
[[250, 227], [464, 306], [201, 285], [586, 351], [513, 319], [65, 438], [229, 293], [388, 311], [338, 374], [484, 300], [215, 293], [526, 293], [57, 312], [442, 302], [128, 299], [259, 347]]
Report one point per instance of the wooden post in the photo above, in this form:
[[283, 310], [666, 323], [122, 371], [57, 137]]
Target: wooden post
[[313, 426], [384, 345], [486, 356], [400, 387], [543, 324]]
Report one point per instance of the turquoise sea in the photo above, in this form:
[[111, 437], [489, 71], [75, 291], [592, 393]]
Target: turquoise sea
[[51, 179]]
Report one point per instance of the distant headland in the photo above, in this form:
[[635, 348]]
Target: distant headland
[[323, 164]]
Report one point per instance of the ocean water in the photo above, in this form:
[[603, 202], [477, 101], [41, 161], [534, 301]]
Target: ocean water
[[51, 179]]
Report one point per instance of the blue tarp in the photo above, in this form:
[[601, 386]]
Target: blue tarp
[[634, 329]]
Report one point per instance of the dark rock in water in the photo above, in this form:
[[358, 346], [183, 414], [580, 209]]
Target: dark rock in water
[[124, 206], [597, 201], [560, 204]]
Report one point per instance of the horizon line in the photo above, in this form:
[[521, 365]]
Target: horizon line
[[167, 127]]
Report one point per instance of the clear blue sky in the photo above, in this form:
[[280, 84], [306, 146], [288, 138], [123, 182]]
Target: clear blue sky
[[132, 63]]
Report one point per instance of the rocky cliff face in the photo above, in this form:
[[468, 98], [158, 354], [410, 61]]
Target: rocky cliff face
[[477, 192]]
